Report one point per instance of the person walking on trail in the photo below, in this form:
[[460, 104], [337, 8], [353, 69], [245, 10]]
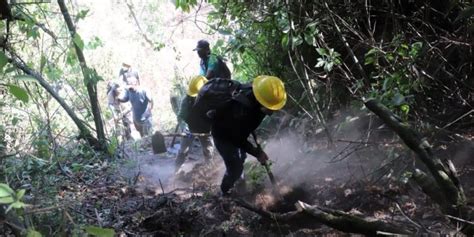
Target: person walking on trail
[[185, 114], [142, 104], [211, 65], [232, 124], [120, 116], [126, 72]]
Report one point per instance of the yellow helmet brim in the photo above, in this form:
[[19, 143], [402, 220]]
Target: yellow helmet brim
[[195, 85], [277, 89]]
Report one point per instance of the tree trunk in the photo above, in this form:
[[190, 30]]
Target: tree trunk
[[447, 192], [90, 82], [84, 131]]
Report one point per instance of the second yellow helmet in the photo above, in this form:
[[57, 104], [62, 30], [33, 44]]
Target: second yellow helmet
[[195, 85], [269, 92]]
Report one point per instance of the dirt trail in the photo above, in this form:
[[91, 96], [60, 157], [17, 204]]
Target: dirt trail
[[147, 198]]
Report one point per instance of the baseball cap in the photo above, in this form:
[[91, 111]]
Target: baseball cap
[[202, 44]]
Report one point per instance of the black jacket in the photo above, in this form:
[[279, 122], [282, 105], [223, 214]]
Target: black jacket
[[236, 121], [195, 123]]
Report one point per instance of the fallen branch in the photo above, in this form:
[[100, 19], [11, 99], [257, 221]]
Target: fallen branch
[[444, 188], [336, 219]]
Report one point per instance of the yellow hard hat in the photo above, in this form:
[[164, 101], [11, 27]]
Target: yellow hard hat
[[269, 92], [195, 85]]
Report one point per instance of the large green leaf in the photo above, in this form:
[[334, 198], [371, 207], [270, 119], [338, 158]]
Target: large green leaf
[[33, 233], [19, 93], [78, 41], [20, 194], [3, 60], [6, 200], [99, 232], [5, 190]]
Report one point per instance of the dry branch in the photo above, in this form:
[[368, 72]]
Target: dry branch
[[336, 219], [445, 189], [84, 131]]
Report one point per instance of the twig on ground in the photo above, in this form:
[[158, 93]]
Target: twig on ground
[[161, 185], [459, 219], [42, 210], [99, 220]]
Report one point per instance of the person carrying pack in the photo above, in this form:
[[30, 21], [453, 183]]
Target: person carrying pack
[[211, 66], [234, 111], [185, 114]]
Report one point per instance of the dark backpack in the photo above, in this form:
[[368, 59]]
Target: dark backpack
[[216, 94], [224, 71]]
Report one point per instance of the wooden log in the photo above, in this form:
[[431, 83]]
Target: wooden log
[[453, 200], [334, 218], [422, 148]]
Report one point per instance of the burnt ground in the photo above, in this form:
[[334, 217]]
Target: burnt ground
[[144, 197]]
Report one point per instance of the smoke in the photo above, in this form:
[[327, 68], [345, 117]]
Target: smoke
[[295, 161], [298, 160]]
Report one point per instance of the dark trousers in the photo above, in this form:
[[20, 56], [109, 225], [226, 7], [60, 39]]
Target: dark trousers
[[234, 159]]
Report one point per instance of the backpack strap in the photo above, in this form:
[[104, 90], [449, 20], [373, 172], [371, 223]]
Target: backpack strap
[[240, 95]]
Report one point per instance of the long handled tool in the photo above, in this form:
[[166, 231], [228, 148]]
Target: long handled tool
[[174, 137], [270, 174], [269, 171]]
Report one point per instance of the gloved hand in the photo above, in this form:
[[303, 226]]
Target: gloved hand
[[263, 158]]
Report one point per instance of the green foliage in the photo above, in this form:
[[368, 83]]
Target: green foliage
[[3, 61], [255, 175], [328, 59], [95, 43], [249, 39], [78, 41], [99, 232], [185, 5], [8, 196], [393, 83], [33, 233], [18, 92]]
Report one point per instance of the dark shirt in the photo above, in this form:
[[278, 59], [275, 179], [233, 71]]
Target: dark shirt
[[185, 108], [236, 121], [195, 123]]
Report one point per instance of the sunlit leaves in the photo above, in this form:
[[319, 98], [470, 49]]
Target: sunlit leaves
[[82, 14], [78, 41], [95, 43], [310, 33], [185, 5], [329, 58]]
